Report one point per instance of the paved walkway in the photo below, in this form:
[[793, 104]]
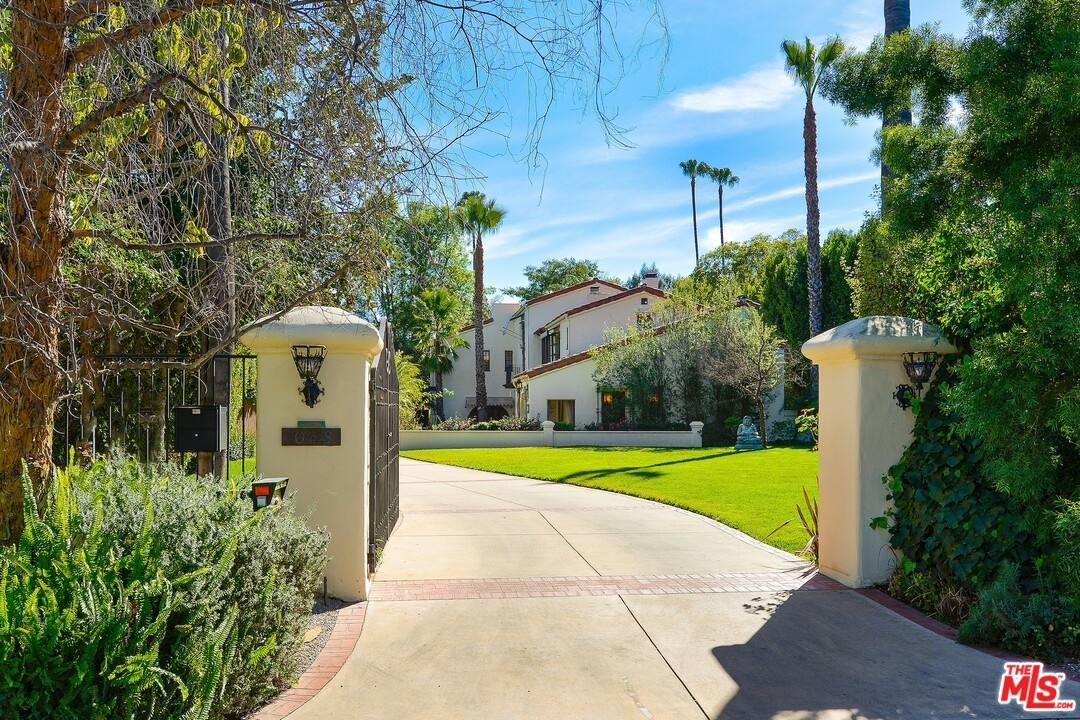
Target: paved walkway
[[507, 598]]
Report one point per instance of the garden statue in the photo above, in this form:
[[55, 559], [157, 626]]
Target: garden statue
[[748, 438]]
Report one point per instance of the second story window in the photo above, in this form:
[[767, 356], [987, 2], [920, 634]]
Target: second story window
[[549, 346]]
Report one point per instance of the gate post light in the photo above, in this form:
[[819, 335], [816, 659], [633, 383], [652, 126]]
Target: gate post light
[[267, 492], [919, 367], [308, 360]]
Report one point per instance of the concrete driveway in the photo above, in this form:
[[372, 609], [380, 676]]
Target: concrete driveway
[[503, 597]]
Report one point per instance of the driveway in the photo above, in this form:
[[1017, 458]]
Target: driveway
[[504, 597]]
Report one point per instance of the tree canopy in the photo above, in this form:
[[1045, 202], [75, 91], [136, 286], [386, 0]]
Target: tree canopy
[[980, 237], [554, 274]]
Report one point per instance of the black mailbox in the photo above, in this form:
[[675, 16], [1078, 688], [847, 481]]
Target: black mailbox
[[200, 428]]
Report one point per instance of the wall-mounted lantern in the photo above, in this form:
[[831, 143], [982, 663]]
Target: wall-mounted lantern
[[919, 367], [267, 492], [309, 360]]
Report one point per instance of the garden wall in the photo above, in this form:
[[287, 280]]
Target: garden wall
[[548, 437], [440, 439]]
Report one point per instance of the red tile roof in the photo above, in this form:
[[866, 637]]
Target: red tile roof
[[470, 326], [604, 301], [563, 291], [573, 359]]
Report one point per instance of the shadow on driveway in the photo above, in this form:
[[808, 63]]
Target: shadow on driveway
[[825, 655]]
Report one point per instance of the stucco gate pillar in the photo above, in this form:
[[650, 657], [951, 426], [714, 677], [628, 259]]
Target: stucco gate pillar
[[861, 434], [327, 475]]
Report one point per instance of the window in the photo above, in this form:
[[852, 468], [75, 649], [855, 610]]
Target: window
[[644, 320], [561, 411], [644, 301], [594, 290], [487, 361], [550, 346], [508, 365], [612, 407]]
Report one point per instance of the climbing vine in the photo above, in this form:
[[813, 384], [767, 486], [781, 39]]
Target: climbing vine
[[947, 517]]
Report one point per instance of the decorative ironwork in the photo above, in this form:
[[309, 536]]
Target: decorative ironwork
[[130, 402], [308, 360], [383, 505], [919, 367]]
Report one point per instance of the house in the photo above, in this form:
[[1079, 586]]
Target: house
[[537, 353]]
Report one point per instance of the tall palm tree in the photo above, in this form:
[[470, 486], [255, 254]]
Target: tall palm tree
[[897, 20], [723, 177], [694, 169], [806, 64], [437, 337], [477, 215]]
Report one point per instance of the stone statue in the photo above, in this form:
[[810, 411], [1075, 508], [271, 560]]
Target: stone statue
[[749, 438]]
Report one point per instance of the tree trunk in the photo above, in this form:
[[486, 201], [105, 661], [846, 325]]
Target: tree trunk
[[30, 253], [693, 207], [478, 319], [720, 198], [439, 411], [761, 419], [813, 228], [220, 268], [897, 19]]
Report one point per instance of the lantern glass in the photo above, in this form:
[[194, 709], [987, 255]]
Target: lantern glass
[[308, 360], [920, 367]]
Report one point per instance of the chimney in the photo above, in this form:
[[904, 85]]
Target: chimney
[[651, 279]]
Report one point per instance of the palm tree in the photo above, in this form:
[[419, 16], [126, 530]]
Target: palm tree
[[693, 170], [477, 215], [437, 337], [897, 19], [722, 177], [806, 64]]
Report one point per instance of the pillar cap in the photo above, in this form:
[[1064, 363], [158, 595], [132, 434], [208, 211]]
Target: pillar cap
[[877, 336], [333, 327]]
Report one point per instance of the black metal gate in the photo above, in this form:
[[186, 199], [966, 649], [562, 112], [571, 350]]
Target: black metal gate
[[128, 406], [383, 507]]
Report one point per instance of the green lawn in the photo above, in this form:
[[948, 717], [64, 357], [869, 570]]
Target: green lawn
[[235, 471], [752, 491]]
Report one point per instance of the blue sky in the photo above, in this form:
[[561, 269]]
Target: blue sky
[[724, 99]]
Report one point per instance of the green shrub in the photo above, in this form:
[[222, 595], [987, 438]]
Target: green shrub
[[147, 594], [454, 423], [506, 423], [1043, 624], [948, 518]]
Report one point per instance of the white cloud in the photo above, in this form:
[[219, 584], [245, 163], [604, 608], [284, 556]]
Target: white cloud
[[795, 190], [862, 22], [763, 88], [743, 230]]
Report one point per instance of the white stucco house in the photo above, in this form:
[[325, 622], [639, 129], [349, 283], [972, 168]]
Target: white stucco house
[[537, 353]]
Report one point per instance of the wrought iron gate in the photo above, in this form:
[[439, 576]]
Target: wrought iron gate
[[383, 507], [128, 406]]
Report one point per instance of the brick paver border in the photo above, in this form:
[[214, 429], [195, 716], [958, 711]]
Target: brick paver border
[[350, 621], [590, 585]]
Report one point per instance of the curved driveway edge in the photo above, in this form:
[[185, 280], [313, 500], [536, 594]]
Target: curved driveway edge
[[505, 597], [347, 627]]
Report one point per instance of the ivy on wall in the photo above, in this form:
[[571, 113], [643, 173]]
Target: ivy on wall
[[947, 517]]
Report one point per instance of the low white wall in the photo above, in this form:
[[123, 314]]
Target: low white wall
[[441, 439], [447, 439], [633, 438]]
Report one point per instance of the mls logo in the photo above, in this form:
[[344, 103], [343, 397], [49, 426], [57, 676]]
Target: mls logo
[[1032, 688]]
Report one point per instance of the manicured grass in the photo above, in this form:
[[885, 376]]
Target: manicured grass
[[235, 471], [752, 491]]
